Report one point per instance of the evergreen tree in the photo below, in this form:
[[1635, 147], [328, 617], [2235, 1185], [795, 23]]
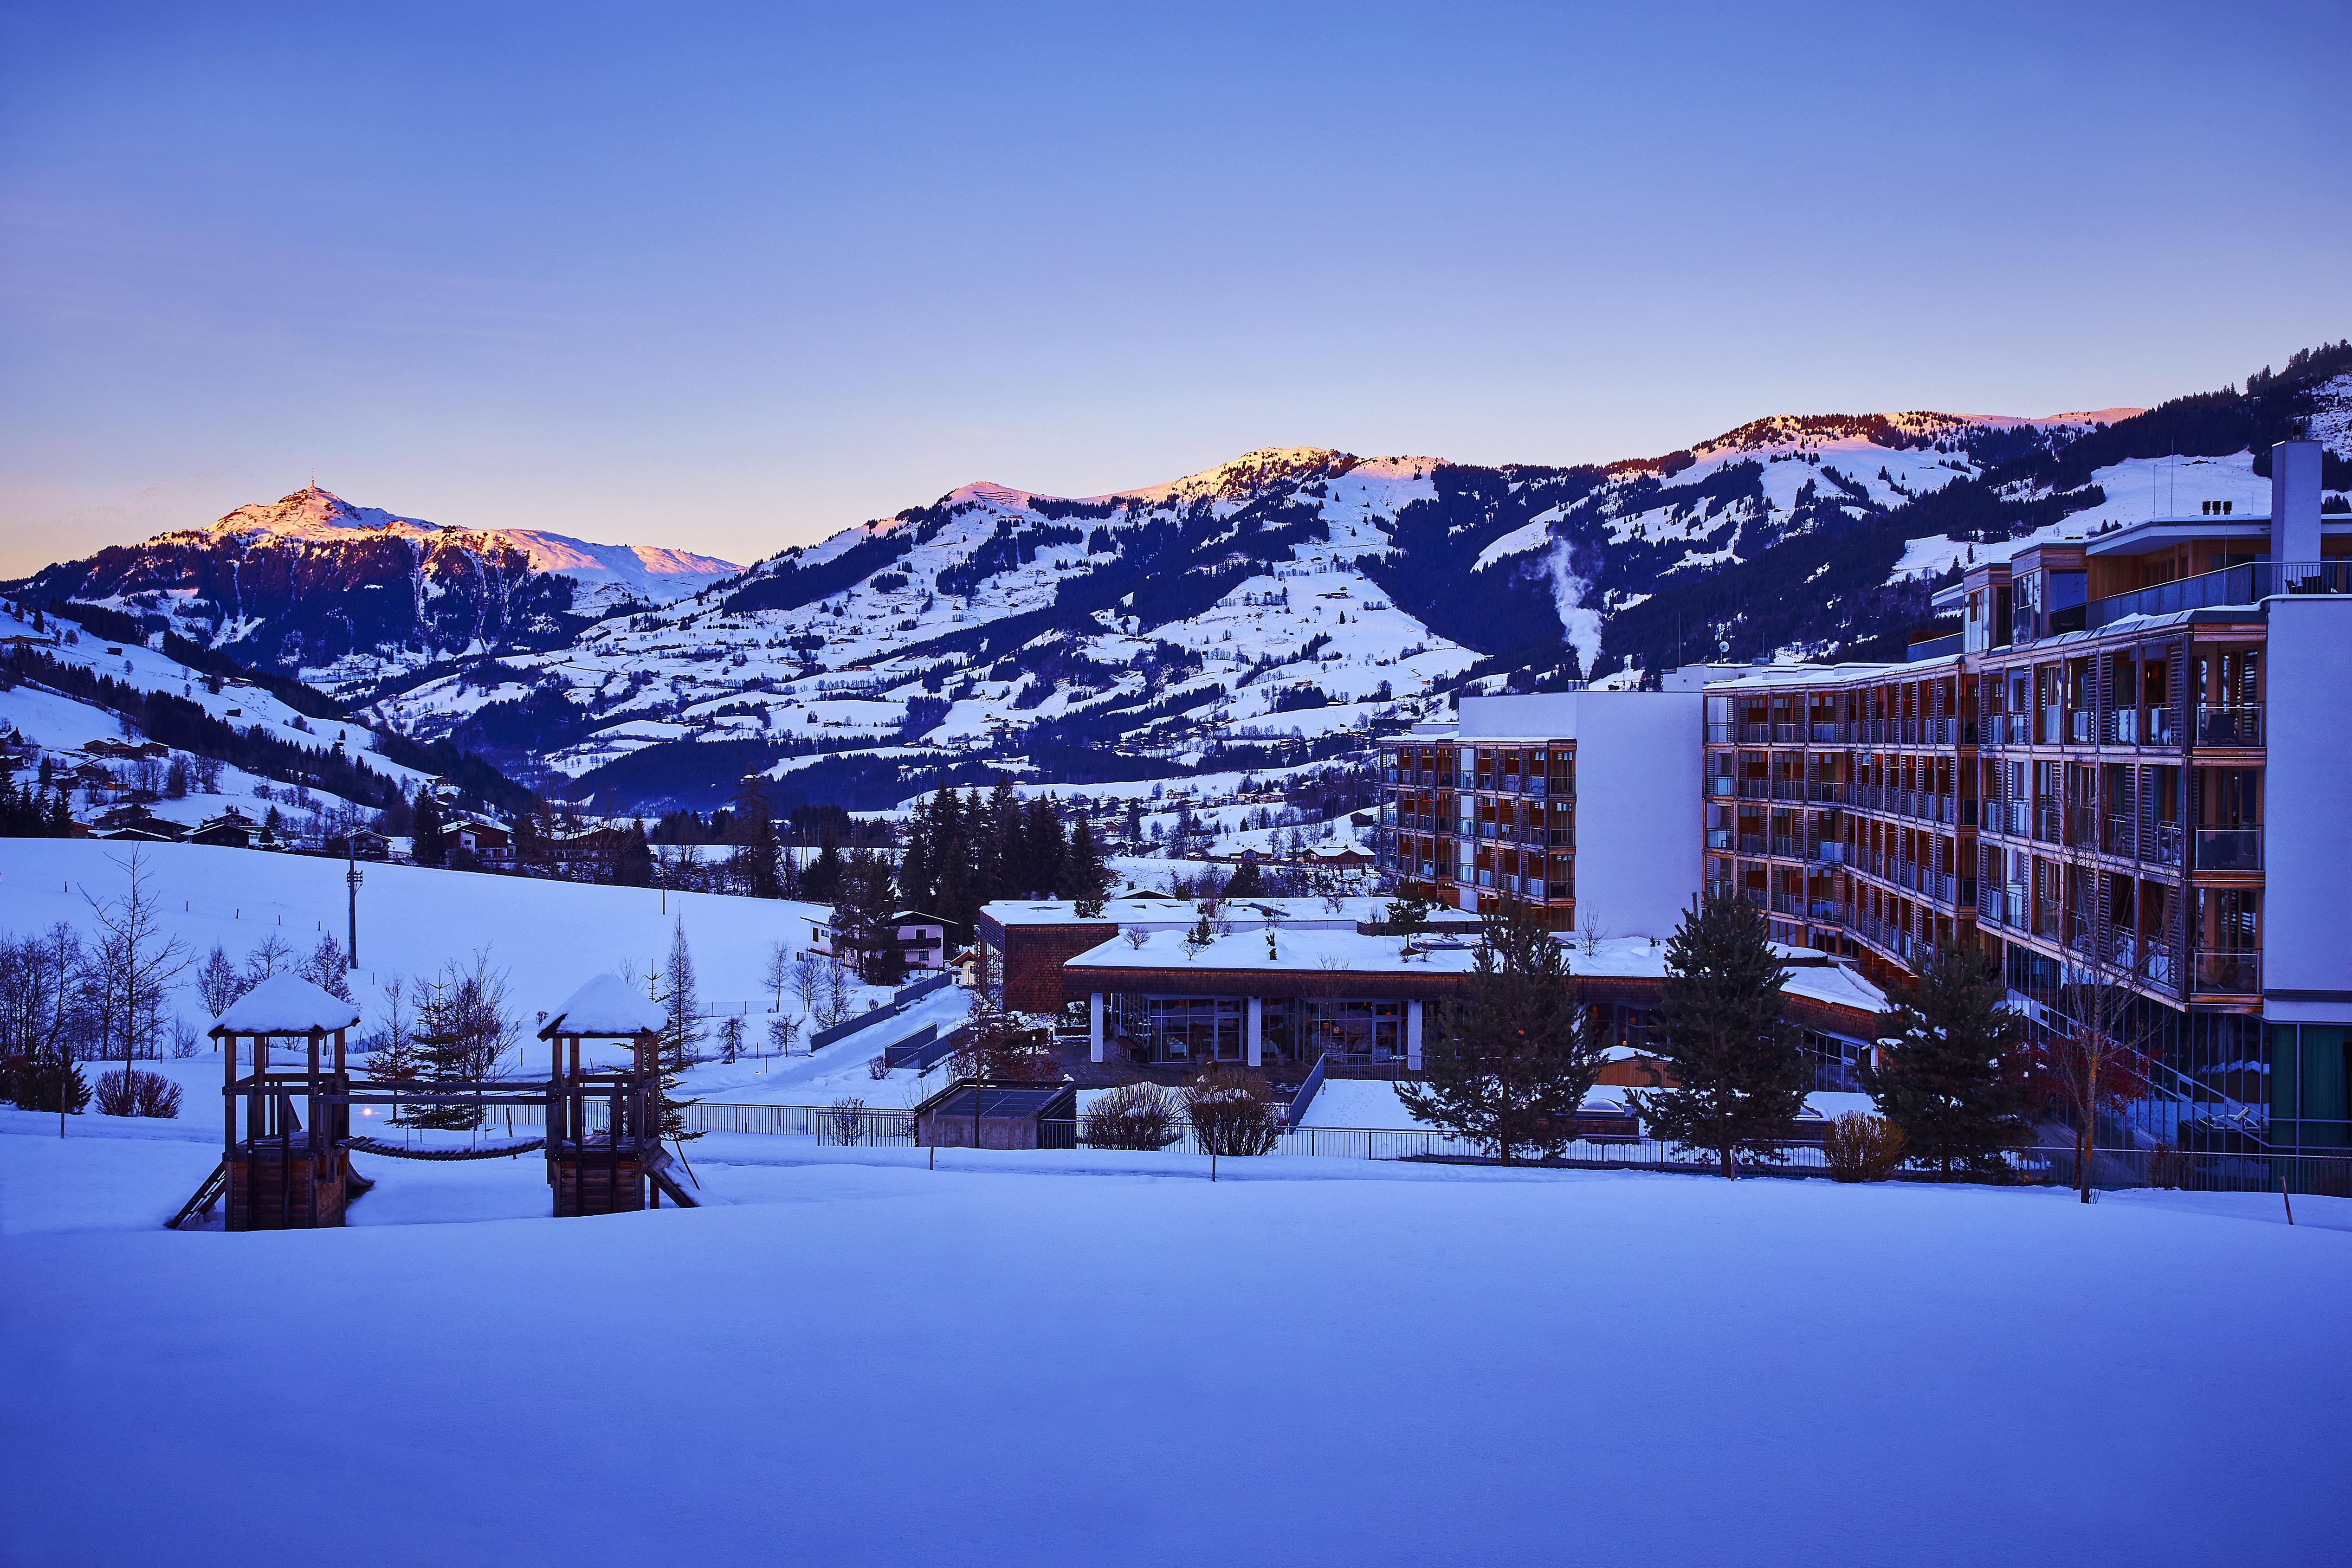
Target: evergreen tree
[[1409, 917], [1044, 849], [955, 874], [632, 857], [752, 832], [683, 997], [821, 883], [1953, 1071], [1739, 1076], [1510, 1064], [1087, 879], [866, 930], [38, 1080], [1007, 866], [429, 841], [1245, 883], [442, 1051], [915, 867]]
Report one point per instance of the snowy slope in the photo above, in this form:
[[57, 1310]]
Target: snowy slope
[[61, 726]]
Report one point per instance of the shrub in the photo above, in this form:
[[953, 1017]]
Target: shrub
[[2169, 1166], [1863, 1148], [1233, 1112], [878, 1067], [846, 1120], [1132, 1116], [137, 1093], [33, 1081]]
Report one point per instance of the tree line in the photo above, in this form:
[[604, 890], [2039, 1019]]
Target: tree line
[[1958, 1078]]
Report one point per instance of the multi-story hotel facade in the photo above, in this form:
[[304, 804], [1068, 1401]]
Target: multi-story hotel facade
[[2132, 765]]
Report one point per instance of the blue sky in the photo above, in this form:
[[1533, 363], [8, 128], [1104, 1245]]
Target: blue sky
[[728, 279]]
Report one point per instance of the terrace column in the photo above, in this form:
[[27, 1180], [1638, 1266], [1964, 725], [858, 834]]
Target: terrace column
[[1256, 1036], [1412, 1035], [1094, 1026]]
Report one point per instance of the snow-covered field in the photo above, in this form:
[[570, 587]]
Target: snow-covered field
[[549, 937], [1107, 1359]]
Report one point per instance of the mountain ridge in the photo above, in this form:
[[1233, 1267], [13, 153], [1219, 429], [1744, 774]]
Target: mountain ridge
[[1257, 616]]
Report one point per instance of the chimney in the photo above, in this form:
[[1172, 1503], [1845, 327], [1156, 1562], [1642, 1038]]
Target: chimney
[[2294, 502]]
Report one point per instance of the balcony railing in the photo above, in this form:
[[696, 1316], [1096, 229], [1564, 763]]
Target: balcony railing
[[2247, 584], [2233, 973], [2228, 848], [2239, 726]]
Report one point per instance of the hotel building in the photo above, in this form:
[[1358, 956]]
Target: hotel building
[[2131, 763]]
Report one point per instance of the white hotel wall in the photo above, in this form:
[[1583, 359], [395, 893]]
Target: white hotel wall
[[1638, 757], [2308, 836]]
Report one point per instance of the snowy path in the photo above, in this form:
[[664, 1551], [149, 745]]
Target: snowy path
[[910, 1366]]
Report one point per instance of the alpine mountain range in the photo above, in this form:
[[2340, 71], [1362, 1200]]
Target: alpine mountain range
[[1258, 616]]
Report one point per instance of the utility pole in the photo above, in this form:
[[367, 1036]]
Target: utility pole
[[351, 882]]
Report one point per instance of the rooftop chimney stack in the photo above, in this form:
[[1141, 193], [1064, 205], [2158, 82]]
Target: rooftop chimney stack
[[2294, 502]]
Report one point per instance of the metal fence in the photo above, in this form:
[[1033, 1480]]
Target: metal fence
[[844, 1126]]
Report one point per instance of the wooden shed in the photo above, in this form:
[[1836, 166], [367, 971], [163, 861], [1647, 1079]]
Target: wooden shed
[[985, 1114]]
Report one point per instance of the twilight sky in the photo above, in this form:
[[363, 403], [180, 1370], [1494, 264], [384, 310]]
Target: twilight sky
[[729, 278]]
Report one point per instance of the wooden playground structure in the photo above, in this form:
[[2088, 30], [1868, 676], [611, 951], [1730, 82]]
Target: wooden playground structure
[[284, 1170]]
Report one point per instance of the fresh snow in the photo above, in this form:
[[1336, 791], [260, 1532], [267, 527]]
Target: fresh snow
[[287, 1004], [1107, 1359], [550, 937], [607, 1005]]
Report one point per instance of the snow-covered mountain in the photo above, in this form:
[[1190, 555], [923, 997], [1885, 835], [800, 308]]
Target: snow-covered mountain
[[340, 595], [1257, 617]]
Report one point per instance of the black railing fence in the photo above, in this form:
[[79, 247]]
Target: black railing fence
[[845, 1125]]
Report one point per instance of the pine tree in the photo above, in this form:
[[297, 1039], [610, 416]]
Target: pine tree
[[1007, 865], [757, 852], [1408, 918], [730, 1039], [443, 1052], [1733, 1055], [1245, 883], [632, 857], [683, 997], [1952, 1070], [391, 1051], [1087, 879], [428, 844], [1044, 848], [821, 883], [1511, 1062]]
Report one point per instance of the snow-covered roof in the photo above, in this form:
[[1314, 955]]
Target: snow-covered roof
[[1809, 974], [286, 1004], [606, 1006], [1166, 912]]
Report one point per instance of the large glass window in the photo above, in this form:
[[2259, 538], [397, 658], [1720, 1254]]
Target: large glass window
[[1351, 1030], [1182, 1029]]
